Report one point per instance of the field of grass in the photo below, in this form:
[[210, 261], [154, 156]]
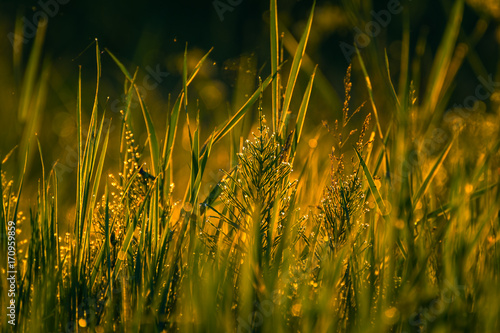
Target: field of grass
[[384, 220]]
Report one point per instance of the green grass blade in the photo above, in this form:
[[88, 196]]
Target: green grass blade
[[198, 67], [302, 115], [79, 137], [195, 159], [373, 187], [273, 13], [120, 65], [100, 166], [184, 79], [174, 116], [294, 71], [370, 93], [153, 141]]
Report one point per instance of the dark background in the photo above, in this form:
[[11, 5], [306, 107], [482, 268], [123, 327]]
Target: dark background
[[149, 32]]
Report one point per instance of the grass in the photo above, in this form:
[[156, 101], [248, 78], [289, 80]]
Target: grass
[[398, 233]]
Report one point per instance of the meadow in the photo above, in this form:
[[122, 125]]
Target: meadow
[[375, 212]]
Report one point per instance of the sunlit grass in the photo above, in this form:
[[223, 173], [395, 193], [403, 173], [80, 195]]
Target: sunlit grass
[[394, 227]]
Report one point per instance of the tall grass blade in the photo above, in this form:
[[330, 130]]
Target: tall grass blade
[[273, 14]]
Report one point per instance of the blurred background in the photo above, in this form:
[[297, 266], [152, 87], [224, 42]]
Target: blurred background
[[152, 36]]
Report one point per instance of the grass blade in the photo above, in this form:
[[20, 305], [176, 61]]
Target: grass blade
[[302, 115], [274, 61], [153, 141], [294, 72], [373, 187], [370, 93]]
